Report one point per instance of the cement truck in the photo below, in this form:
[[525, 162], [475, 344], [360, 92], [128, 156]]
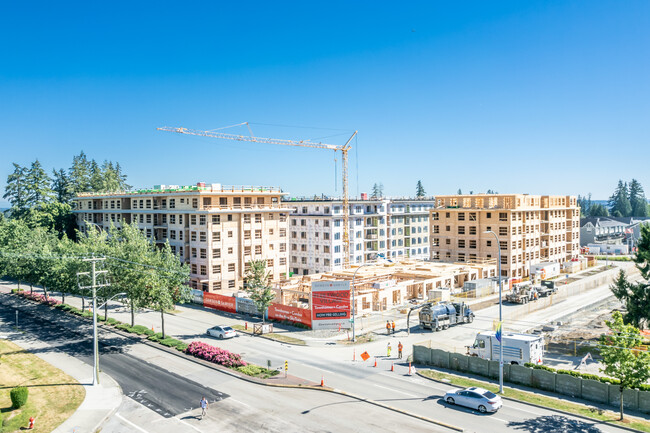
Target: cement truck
[[444, 314]]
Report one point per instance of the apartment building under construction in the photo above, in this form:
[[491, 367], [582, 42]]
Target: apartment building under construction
[[394, 228], [217, 230], [531, 229]]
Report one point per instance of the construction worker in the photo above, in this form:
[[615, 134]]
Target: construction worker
[[392, 325], [400, 347], [388, 350], [387, 327]]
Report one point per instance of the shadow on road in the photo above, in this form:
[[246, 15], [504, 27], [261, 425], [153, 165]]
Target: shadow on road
[[555, 424], [442, 402]]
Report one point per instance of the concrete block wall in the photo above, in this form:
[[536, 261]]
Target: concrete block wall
[[440, 358], [421, 354], [478, 366], [568, 385], [594, 390], [521, 375], [630, 397], [643, 401], [543, 379], [458, 362]]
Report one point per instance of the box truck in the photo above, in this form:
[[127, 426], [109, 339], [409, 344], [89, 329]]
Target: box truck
[[517, 348]]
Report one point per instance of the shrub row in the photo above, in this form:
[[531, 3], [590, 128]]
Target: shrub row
[[214, 354], [574, 373], [37, 297]]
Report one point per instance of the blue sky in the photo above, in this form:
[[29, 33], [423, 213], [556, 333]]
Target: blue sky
[[535, 96]]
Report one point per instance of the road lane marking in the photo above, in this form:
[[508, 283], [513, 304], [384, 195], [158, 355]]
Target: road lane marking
[[130, 423], [394, 390], [240, 402], [499, 419], [187, 424]]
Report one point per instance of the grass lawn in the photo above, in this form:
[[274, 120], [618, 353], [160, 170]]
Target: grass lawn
[[53, 395], [549, 402]]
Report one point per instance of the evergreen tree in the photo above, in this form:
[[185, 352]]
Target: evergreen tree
[[619, 203], [460, 192], [638, 202], [419, 190], [79, 174], [62, 186], [598, 210], [121, 178], [16, 190], [97, 181], [38, 185], [377, 191]]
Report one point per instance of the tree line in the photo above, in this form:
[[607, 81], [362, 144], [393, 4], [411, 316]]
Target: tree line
[[149, 276], [628, 200]]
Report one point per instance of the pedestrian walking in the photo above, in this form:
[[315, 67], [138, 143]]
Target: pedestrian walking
[[388, 350], [204, 406], [399, 350], [387, 327], [392, 325]]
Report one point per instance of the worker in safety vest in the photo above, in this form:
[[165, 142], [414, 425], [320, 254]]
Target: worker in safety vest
[[387, 327], [388, 350], [400, 347], [392, 325]]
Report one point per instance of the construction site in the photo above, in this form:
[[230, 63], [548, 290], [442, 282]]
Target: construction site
[[381, 287]]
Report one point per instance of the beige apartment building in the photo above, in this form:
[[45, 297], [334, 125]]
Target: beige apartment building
[[217, 230], [531, 229]]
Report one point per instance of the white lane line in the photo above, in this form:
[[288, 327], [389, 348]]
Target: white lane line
[[130, 423], [394, 390], [499, 419], [237, 401], [187, 424]]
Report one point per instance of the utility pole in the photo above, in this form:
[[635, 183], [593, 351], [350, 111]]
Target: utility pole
[[94, 272]]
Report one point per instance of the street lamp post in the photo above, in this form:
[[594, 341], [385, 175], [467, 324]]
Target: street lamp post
[[500, 314]]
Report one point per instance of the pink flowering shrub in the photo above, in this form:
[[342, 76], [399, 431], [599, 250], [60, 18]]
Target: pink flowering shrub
[[214, 354], [39, 298]]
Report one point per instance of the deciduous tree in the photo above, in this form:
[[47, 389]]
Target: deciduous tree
[[256, 284]]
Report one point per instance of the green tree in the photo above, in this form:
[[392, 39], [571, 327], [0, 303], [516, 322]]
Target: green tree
[[419, 190], [642, 256], [121, 178], [79, 174], [62, 186], [460, 192], [97, 181], [619, 202], [638, 201], [256, 284], [16, 190], [636, 297], [622, 357], [598, 210], [38, 184]]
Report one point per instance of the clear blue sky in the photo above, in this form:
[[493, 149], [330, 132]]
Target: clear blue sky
[[520, 96]]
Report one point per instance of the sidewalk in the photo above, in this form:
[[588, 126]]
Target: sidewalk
[[100, 401]]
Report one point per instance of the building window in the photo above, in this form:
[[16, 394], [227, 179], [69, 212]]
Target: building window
[[247, 218], [203, 236], [229, 233], [230, 250], [216, 219], [216, 236], [216, 285], [204, 253], [195, 203], [216, 269], [258, 234], [231, 284], [216, 253], [269, 263], [503, 216], [204, 270], [194, 269], [461, 243], [193, 236], [258, 249], [503, 231], [231, 267], [283, 261], [258, 217], [461, 230]]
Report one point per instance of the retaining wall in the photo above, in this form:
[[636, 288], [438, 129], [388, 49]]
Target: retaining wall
[[568, 385]]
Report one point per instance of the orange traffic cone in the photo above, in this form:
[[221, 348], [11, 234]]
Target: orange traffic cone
[[392, 367], [354, 355], [32, 420], [152, 329], [322, 381], [409, 368], [375, 362]]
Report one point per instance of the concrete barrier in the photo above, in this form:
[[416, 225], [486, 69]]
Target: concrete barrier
[[643, 401], [458, 362], [630, 397], [440, 358], [521, 375], [493, 370], [568, 385], [543, 379], [421, 355], [594, 390], [478, 366]]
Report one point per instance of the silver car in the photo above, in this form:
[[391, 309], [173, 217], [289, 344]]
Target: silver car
[[475, 398], [221, 332]]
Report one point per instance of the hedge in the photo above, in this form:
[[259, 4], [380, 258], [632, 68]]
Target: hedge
[[214, 354], [576, 374], [19, 396]]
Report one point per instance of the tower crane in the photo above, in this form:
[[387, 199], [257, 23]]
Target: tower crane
[[302, 143]]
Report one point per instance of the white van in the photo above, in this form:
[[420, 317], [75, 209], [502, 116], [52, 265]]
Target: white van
[[517, 348]]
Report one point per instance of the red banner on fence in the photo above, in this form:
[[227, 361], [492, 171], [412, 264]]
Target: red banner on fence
[[220, 302], [293, 314]]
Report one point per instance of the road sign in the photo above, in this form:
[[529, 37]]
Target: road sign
[[365, 356], [330, 303]]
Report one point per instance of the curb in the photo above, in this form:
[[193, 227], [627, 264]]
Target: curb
[[231, 373], [539, 405], [247, 332]]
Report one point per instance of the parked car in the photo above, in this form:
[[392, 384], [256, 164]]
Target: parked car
[[221, 332], [475, 398]]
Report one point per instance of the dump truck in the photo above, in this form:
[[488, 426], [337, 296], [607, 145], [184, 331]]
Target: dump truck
[[444, 314], [517, 348], [522, 293], [546, 289]]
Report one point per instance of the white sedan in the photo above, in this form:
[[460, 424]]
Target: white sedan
[[222, 332], [475, 398]]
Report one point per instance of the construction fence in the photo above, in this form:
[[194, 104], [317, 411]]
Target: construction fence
[[565, 384]]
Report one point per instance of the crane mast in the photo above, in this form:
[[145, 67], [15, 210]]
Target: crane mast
[[301, 143]]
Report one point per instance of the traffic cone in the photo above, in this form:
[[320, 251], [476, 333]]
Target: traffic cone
[[409, 368], [322, 381], [375, 362], [32, 420], [354, 355], [152, 329], [392, 366]]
